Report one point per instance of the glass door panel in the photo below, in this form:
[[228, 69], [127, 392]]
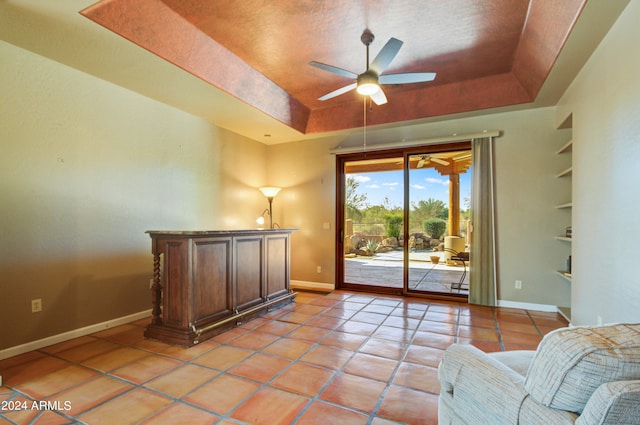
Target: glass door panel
[[373, 224], [438, 212]]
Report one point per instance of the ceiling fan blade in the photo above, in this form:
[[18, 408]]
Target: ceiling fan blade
[[414, 77], [379, 98], [386, 55], [334, 69], [420, 164], [439, 161], [462, 156], [338, 92]]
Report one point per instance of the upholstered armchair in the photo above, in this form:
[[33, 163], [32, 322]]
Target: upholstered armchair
[[578, 375]]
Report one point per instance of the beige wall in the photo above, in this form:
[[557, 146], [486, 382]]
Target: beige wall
[[526, 193], [306, 172], [605, 102], [87, 168]]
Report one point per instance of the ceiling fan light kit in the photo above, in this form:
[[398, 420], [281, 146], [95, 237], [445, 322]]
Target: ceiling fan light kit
[[368, 83]]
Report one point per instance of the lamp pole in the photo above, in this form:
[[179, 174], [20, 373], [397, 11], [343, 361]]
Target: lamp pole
[[270, 199]]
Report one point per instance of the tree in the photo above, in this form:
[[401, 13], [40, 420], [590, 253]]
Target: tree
[[431, 208], [354, 201], [424, 210]]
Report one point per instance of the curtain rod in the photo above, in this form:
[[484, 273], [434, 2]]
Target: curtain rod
[[410, 143]]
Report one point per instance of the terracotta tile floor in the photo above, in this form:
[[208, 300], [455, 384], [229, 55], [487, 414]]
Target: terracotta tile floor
[[343, 357]]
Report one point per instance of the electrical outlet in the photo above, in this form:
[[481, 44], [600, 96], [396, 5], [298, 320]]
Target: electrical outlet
[[36, 305], [599, 320], [518, 284], [150, 283], [318, 269]]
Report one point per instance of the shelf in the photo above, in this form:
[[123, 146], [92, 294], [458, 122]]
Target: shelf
[[565, 312], [567, 205], [566, 148], [567, 122], [567, 151]]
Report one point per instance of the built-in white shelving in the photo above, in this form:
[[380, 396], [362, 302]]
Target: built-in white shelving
[[565, 312], [566, 173], [566, 150], [568, 147]]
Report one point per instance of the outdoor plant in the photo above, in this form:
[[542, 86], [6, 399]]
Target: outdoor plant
[[372, 245], [434, 227], [393, 224]]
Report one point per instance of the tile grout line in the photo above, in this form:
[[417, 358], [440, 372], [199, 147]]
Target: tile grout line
[[387, 388]]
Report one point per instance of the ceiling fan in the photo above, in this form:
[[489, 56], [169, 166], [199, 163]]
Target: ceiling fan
[[368, 83], [425, 159]]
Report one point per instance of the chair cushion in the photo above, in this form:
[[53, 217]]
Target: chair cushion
[[518, 360], [571, 363], [614, 403]]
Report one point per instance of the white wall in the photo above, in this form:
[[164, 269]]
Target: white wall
[[605, 102]]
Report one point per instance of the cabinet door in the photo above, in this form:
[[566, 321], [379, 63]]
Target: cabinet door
[[277, 259], [212, 290], [175, 310], [249, 279]]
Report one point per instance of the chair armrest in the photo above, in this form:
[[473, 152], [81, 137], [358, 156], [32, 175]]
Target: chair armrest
[[478, 387], [616, 402]]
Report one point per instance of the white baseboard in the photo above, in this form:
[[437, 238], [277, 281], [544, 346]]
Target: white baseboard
[[54, 339], [528, 306], [328, 287], [312, 286]]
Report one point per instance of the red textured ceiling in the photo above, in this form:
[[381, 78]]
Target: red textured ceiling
[[485, 53]]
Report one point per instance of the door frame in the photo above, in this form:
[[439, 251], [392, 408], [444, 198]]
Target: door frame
[[403, 152]]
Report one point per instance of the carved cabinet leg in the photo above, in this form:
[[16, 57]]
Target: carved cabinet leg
[[156, 292]]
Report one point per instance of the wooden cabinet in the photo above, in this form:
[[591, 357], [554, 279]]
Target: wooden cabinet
[[207, 282]]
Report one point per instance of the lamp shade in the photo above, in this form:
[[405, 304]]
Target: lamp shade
[[270, 192]]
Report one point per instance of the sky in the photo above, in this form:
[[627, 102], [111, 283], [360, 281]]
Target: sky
[[425, 183]]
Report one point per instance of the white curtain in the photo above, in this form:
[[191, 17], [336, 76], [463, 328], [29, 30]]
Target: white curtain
[[482, 270]]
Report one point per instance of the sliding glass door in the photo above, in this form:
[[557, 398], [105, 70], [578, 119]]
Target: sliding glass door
[[403, 218], [438, 221]]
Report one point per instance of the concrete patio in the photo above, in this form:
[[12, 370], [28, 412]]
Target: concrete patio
[[385, 269]]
